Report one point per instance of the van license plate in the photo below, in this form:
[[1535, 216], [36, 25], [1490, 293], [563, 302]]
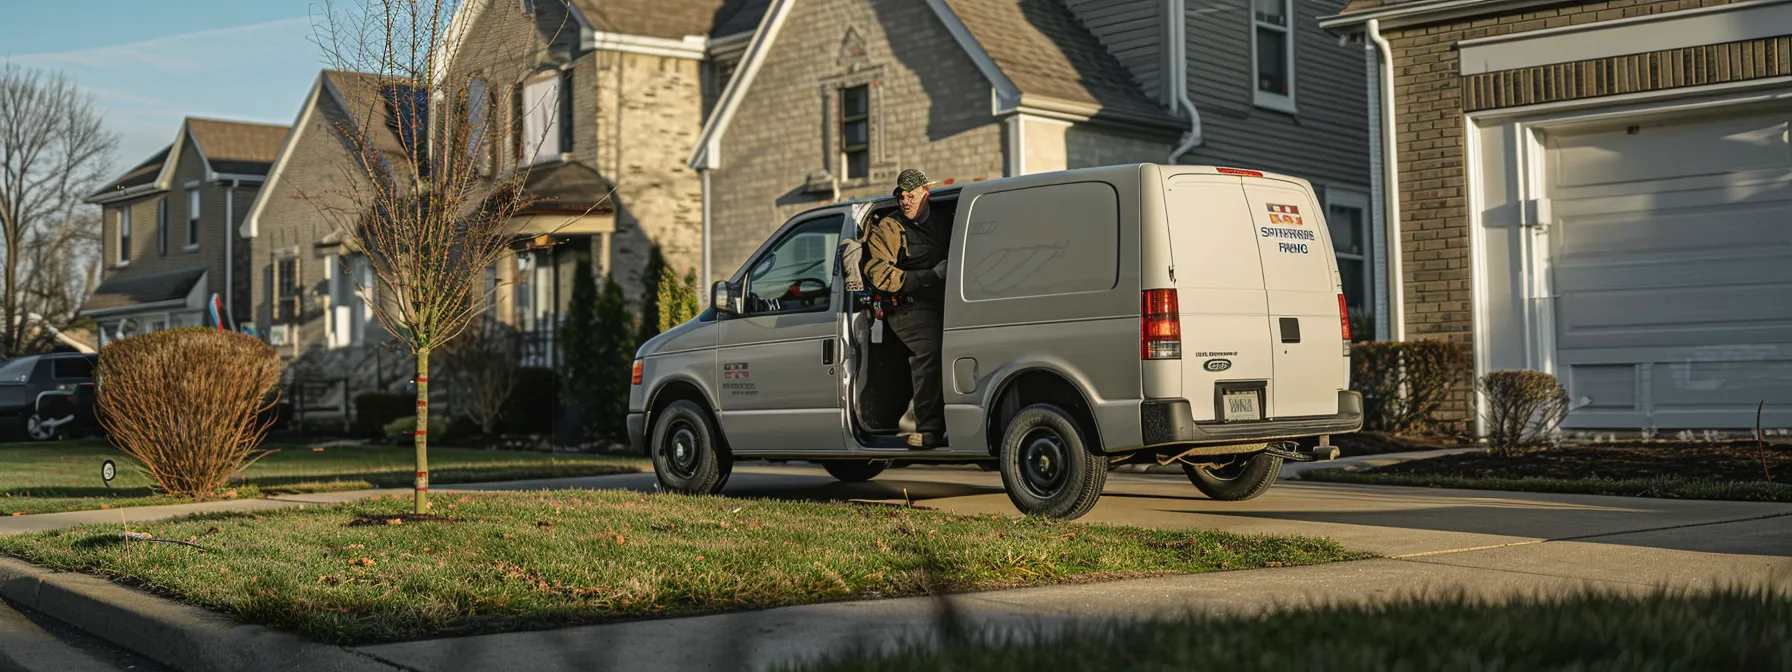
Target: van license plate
[[1242, 406]]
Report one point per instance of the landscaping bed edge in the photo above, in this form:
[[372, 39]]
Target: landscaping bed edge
[[181, 636]]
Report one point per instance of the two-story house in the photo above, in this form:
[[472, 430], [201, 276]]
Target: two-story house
[[169, 229], [834, 97]]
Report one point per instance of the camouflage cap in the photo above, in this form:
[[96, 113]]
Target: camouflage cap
[[909, 179]]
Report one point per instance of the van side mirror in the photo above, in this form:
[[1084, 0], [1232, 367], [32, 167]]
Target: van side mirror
[[722, 297]]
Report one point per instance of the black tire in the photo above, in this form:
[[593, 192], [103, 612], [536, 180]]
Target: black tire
[[687, 458], [32, 431], [1245, 477], [854, 471], [1047, 467]]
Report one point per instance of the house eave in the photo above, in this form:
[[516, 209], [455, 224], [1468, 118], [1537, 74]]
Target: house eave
[[135, 308], [1076, 112], [1400, 16], [126, 194], [693, 47]]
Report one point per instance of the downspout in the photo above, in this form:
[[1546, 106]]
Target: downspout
[[703, 290], [1390, 184], [229, 253], [1179, 77]]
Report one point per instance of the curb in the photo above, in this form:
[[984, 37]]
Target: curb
[[180, 636]]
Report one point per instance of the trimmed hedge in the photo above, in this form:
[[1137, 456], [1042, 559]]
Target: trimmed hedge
[[1405, 383]]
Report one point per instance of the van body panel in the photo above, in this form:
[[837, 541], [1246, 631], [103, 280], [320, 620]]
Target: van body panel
[[1301, 281], [1081, 352]]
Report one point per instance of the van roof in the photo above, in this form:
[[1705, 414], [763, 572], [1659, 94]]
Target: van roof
[[1169, 168]]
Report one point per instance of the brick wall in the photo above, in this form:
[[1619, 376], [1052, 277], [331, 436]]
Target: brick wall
[[148, 257], [1431, 97], [929, 110]]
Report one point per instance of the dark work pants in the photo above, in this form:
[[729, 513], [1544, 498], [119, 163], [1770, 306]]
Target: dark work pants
[[918, 326]]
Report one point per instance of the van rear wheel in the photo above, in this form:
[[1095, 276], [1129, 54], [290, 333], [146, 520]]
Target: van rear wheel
[[854, 471], [1047, 467], [686, 456], [1244, 477]]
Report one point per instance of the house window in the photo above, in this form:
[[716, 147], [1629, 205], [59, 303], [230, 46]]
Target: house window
[[477, 118], [192, 218], [541, 121], [1272, 62], [124, 235], [855, 131], [162, 226], [286, 274], [565, 126], [1347, 219]]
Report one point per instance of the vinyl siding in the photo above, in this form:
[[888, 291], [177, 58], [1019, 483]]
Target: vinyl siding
[[1134, 31]]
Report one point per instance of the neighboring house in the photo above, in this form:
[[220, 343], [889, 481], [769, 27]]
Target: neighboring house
[[168, 229], [835, 97], [306, 284], [1596, 190], [601, 101]]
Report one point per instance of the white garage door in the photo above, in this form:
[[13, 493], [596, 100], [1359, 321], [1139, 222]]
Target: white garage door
[[1671, 267]]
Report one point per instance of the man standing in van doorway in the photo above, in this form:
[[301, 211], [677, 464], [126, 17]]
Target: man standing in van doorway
[[906, 264]]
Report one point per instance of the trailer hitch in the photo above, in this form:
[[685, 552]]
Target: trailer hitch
[[1292, 452]]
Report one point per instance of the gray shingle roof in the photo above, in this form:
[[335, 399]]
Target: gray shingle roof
[[1042, 47], [238, 147], [670, 19], [136, 290]]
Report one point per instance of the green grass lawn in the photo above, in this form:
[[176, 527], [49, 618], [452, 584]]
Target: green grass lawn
[[510, 561], [65, 476], [1666, 487], [1725, 630]]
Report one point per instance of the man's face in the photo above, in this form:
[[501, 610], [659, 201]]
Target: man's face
[[912, 200]]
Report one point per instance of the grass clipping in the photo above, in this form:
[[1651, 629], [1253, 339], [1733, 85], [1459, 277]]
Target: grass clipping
[[513, 561], [188, 403]]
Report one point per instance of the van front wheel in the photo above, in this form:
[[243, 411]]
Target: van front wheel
[[686, 457], [1244, 477], [1046, 467]]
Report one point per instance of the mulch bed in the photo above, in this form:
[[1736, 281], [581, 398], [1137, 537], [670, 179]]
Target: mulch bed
[[1736, 461], [1378, 443]]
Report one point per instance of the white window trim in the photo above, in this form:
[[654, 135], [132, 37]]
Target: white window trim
[[1262, 98], [541, 119], [193, 213], [124, 236]]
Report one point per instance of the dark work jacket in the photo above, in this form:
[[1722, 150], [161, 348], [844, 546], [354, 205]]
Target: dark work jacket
[[922, 246]]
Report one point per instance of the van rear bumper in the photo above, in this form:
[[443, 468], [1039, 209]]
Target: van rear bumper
[[1172, 421]]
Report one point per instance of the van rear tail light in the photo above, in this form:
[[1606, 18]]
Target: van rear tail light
[[637, 374], [1160, 325], [1344, 317], [1239, 171]]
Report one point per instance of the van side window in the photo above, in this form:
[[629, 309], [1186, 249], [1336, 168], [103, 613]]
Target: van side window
[[1042, 241], [797, 273], [71, 367]]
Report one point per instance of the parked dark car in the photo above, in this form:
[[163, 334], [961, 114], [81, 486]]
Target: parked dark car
[[40, 395]]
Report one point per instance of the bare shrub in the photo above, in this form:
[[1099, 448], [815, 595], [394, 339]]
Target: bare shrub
[[482, 370], [188, 403], [1524, 408], [1405, 383]]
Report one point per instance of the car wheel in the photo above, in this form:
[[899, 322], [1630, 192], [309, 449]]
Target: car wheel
[[686, 456], [1047, 467], [34, 428], [1245, 476], [854, 471]]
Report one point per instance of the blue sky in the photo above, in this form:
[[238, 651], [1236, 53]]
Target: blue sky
[[150, 63]]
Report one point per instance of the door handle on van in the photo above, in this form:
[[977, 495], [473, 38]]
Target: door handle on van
[[1290, 329], [827, 352]]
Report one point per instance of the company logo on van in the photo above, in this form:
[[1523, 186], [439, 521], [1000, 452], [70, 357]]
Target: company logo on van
[[1284, 214], [1217, 364]]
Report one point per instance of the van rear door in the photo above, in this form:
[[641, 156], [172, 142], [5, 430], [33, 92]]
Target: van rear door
[[1301, 284], [1227, 363]]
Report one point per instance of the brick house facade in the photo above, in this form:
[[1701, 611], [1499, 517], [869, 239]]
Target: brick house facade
[[168, 229], [1593, 189]]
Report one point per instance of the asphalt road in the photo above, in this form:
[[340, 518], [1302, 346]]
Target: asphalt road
[[32, 642]]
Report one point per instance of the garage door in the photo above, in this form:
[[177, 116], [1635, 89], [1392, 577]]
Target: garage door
[[1671, 268]]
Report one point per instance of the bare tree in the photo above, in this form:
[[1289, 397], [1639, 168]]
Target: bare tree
[[482, 370], [429, 213], [53, 146]]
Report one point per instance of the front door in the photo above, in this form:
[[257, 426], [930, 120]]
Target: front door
[[779, 356]]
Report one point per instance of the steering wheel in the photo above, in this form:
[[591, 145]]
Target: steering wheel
[[797, 290]]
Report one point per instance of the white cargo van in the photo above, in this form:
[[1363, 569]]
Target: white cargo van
[[1123, 314]]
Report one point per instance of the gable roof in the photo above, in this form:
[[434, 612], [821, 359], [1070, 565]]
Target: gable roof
[[1401, 13], [235, 147], [1046, 52], [1035, 53], [229, 149], [347, 95]]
